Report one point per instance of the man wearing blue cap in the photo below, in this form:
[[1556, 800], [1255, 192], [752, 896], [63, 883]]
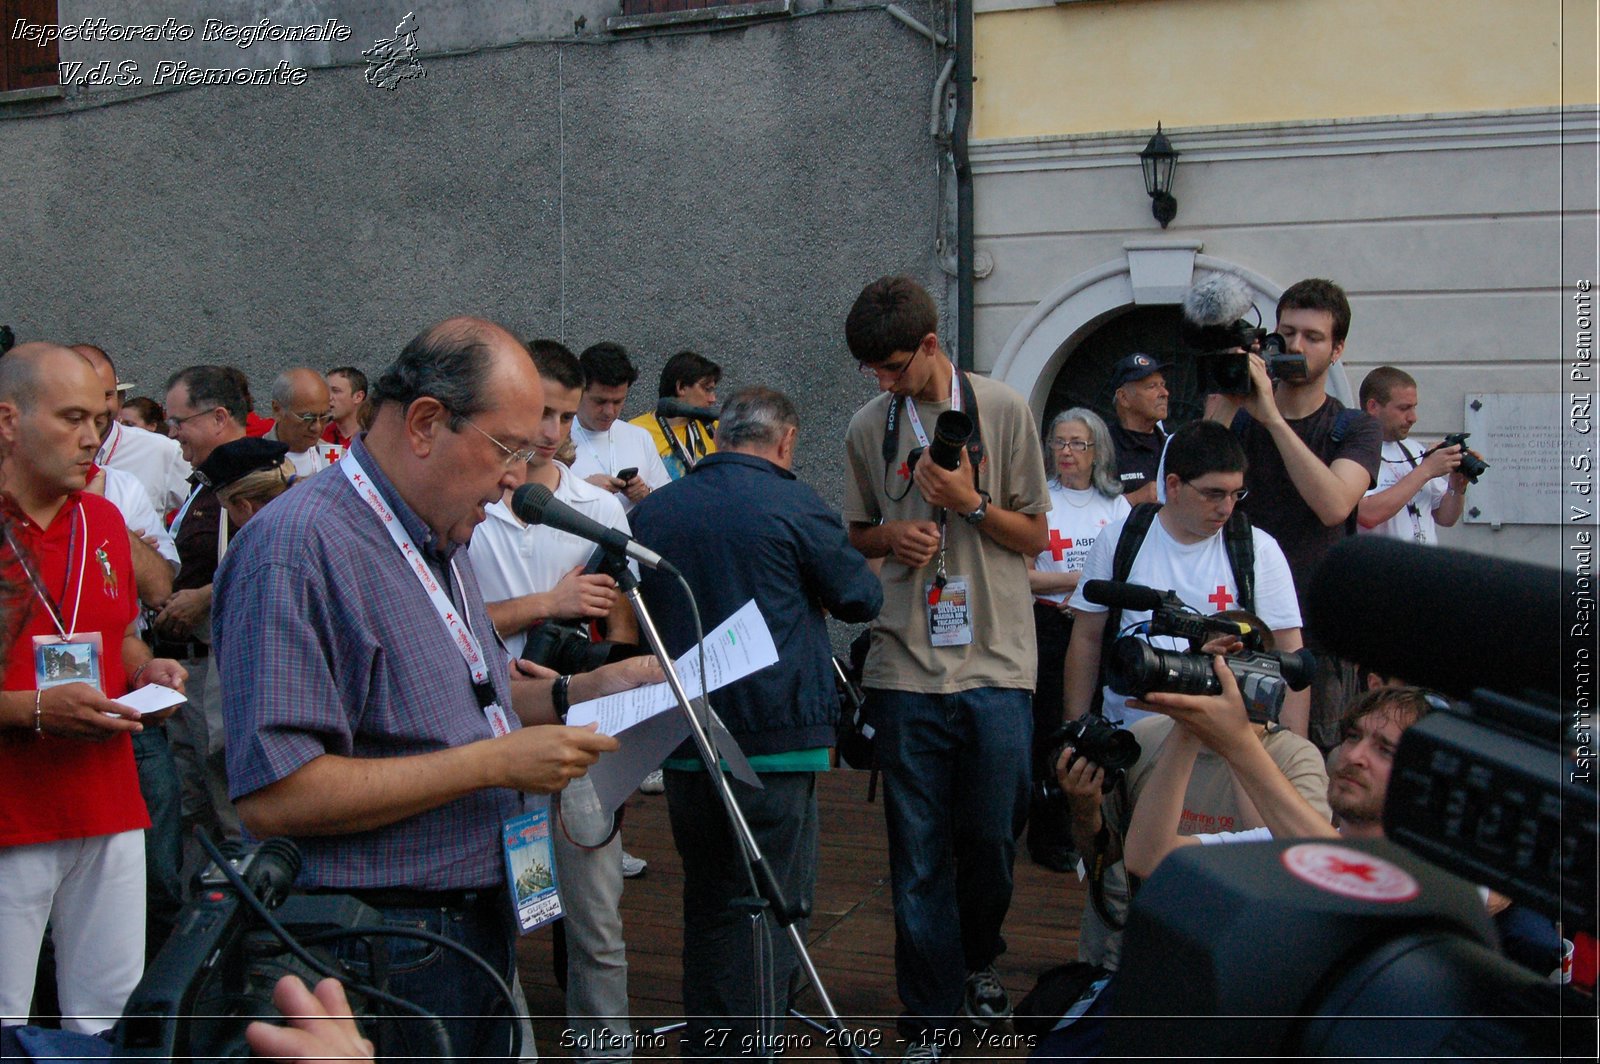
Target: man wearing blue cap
[[1138, 432]]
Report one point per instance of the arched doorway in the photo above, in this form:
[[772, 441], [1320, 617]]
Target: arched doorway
[[1062, 352]]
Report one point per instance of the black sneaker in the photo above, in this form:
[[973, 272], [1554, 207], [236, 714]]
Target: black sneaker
[[986, 1001]]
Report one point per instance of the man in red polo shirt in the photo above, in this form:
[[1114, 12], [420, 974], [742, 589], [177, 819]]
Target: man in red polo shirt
[[71, 818]]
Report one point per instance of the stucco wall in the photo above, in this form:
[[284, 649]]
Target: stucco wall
[[727, 192]]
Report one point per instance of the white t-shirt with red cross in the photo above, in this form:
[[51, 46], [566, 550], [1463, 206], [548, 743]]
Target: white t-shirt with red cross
[[1202, 578], [1076, 518]]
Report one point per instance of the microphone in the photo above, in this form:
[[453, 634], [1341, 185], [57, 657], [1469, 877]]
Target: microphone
[[669, 407], [1118, 595], [535, 505], [1444, 618], [1213, 313]]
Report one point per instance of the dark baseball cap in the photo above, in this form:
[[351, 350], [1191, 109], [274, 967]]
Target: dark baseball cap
[[1135, 367], [239, 458]]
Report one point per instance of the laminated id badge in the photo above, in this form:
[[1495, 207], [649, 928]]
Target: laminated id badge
[[73, 659], [950, 614], [531, 868]]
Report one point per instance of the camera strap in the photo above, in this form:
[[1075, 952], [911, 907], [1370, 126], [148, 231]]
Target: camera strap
[[688, 450], [1411, 504]]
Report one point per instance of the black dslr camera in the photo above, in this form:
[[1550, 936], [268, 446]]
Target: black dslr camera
[[1096, 739], [567, 649], [1472, 467]]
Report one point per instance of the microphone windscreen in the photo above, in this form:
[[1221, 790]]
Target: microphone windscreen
[[1440, 618], [1221, 299], [1119, 595]]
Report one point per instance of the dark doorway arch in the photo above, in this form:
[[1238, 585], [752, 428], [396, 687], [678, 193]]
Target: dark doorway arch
[[1085, 376]]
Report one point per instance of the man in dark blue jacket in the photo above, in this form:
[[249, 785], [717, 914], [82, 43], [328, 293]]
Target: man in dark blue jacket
[[740, 526]]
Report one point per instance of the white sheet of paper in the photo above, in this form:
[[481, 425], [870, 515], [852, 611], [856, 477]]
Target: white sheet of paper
[[736, 648], [151, 698]]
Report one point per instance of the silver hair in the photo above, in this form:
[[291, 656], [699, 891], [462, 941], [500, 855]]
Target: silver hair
[[1103, 473], [756, 417]]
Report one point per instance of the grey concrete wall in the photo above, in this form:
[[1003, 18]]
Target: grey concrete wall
[[1457, 239], [727, 192]]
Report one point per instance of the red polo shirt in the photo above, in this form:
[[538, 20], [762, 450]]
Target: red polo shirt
[[71, 788]]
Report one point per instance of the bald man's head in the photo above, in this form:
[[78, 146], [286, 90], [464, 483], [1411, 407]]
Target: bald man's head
[[49, 399], [107, 372], [300, 405]]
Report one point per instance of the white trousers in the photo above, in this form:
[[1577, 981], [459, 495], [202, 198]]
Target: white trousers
[[92, 891]]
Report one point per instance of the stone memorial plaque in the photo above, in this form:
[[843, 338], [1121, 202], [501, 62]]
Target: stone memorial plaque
[[1520, 436]]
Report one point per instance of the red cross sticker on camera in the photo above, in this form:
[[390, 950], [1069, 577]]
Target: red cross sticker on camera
[[1349, 873]]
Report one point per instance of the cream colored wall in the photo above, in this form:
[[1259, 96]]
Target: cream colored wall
[[1124, 64]]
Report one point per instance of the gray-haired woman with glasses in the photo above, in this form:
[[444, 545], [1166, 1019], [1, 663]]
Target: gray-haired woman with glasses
[[1085, 496]]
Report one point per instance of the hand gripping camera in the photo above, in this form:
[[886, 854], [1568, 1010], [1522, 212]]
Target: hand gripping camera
[[1136, 668]]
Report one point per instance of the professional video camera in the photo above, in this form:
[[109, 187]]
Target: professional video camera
[[1359, 948], [1136, 668], [243, 931], [1114, 749], [1214, 328], [217, 971]]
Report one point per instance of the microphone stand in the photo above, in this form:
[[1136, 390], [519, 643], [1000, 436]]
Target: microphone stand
[[767, 900]]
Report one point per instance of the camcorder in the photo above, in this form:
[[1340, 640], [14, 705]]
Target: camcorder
[[244, 930], [1095, 739], [1214, 329], [1472, 467], [1359, 949], [1135, 668], [950, 434]]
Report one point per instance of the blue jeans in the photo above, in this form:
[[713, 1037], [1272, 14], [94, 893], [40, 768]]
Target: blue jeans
[[444, 982], [955, 770], [163, 842]]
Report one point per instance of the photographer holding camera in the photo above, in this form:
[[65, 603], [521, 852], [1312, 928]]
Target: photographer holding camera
[[1196, 545], [1311, 461], [952, 662], [1417, 489]]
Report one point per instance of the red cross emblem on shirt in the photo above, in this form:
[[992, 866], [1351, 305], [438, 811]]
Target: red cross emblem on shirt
[[1058, 545], [1220, 598], [904, 471], [1361, 871], [333, 454]]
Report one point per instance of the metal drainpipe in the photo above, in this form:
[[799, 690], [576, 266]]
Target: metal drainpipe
[[962, 32]]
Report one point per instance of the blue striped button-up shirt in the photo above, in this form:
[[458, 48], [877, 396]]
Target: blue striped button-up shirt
[[329, 645]]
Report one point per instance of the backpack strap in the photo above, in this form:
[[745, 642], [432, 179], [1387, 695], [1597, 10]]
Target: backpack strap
[[1134, 530], [1240, 542]]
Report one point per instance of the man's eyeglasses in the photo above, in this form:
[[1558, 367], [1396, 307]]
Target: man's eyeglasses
[[178, 422], [879, 372], [1214, 496], [314, 418], [513, 458], [1071, 445]]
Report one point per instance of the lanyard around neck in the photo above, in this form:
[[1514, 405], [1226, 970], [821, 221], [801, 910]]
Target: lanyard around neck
[[79, 534], [459, 627]]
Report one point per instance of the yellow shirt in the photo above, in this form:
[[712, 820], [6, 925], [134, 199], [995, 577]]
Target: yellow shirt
[[694, 437]]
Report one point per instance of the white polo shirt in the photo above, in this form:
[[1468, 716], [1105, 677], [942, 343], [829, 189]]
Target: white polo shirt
[[124, 491], [512, 559], [156, 460], [619, 447], [314, 459]]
